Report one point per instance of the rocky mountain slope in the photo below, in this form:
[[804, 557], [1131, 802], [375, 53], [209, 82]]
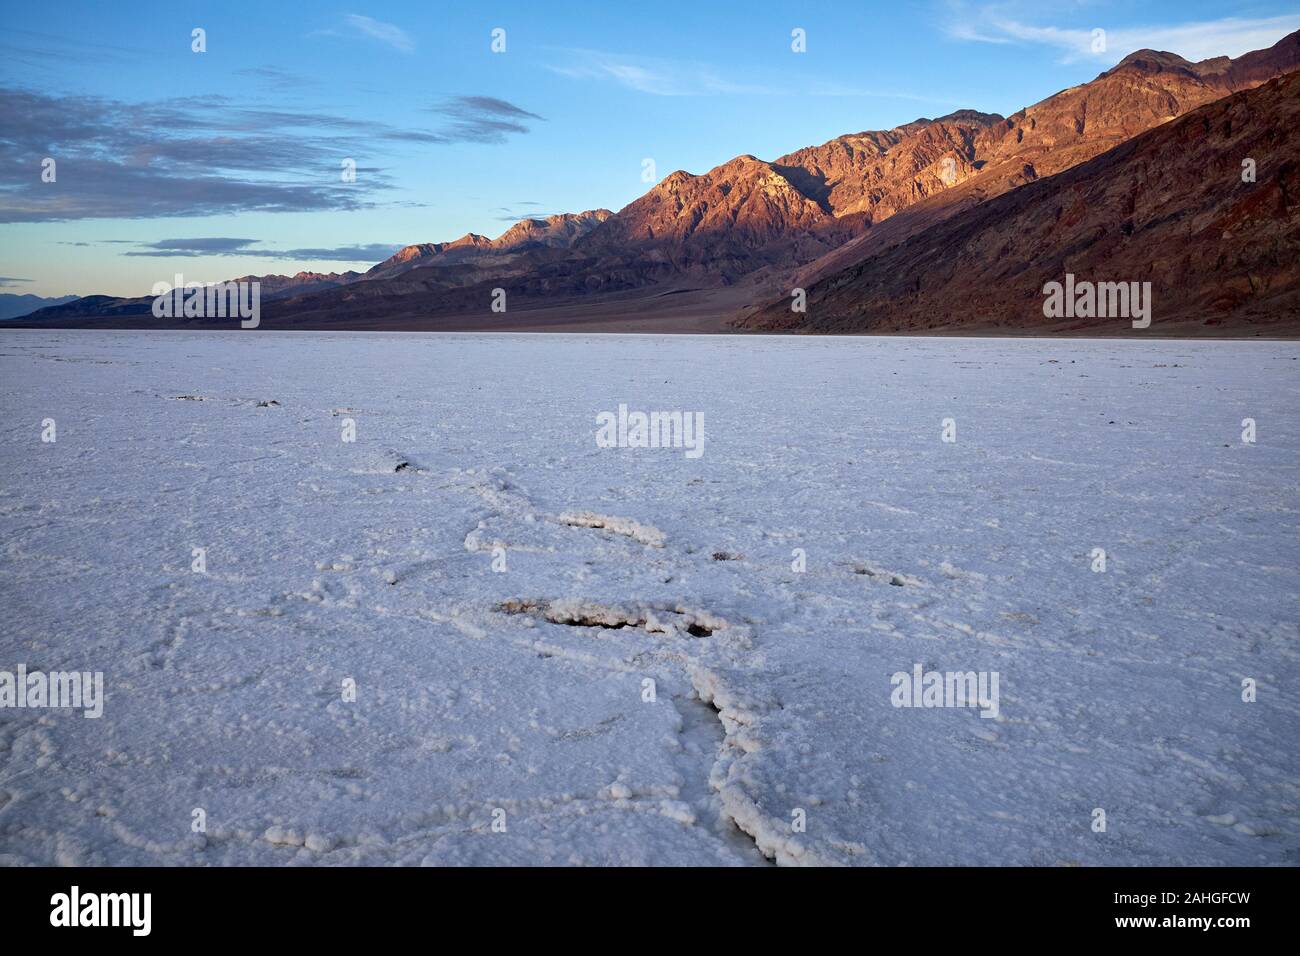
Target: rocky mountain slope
[[747, 214], [1142, 91], [279, 286], [1168, 207], [770, 226], [560, 231]]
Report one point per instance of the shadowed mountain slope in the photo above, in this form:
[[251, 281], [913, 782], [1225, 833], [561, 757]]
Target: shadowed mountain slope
[[1169, 207]]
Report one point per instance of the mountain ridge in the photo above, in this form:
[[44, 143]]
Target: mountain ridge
[[1215, 247], [771, 225], [15, 305]]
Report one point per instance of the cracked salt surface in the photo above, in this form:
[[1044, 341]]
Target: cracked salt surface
[[525, 691]]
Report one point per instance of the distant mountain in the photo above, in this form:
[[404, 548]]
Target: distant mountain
[[272, 287], [471, 253], [1168, 207], [12, 306], [277, 286], [754, 229], [553, 232]]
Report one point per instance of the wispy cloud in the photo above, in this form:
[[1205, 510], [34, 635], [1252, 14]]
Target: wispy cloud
[[518, 211], [11, 281], [660, 76], [276, 78], [654, 75], [483, 119], [372, 252], [1197, 40], [207, 155], [34, 50], [209, 246], [506, 214], [387, 33]]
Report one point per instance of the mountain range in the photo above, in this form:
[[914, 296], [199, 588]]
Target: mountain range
[[945, 224], [14, 305]]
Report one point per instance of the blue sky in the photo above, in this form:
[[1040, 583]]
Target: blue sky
[[228, 162]]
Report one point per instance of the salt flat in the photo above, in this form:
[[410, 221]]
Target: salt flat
[[522, 698]]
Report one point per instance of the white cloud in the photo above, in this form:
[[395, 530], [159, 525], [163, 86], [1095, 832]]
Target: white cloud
[[394, 36], [654, 75], [1229, 36], [665, 77]]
